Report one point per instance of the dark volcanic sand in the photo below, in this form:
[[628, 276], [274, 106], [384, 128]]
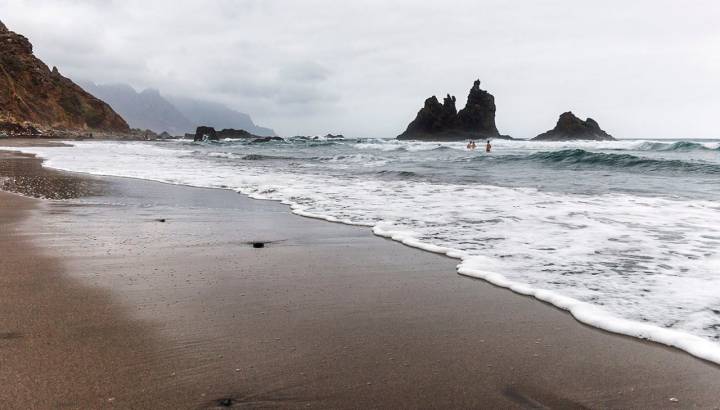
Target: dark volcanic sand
[[103, 305]]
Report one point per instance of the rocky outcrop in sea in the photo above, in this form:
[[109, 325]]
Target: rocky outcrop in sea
[[442, 122], [205, 133], [569, 127]]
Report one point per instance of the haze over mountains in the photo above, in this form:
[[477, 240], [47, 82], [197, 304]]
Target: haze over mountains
[[151, 110]]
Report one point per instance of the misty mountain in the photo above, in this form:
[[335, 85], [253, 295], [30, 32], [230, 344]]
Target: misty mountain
[[145, 110], [149, 109], [217, 115]]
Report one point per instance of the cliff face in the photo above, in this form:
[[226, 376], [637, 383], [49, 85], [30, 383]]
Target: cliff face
[[442, 122], [32, 93], [569, 127]]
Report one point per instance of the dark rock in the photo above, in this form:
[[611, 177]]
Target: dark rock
[[267, 139], [442, 122], [164, 135], [11, 129], [569, 127], [232, 133], [208, 133], [334, 137], [32, 93], [204, 133], [479, 112]]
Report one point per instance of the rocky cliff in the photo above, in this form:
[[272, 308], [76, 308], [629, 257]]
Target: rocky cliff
[[33, 94], [442, 122], [569, 127]]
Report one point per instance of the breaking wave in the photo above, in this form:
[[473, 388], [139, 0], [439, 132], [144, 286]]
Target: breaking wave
[[581, 157], [677, 146]]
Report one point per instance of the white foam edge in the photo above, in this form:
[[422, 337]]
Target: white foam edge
[[582, 312]]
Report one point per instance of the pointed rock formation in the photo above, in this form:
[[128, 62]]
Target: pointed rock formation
[[32, 94], [479, 112], [442, 122], [569, 127]]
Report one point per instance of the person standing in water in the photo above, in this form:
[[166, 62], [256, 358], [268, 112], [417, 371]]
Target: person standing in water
[[488, 147], [471, 144]]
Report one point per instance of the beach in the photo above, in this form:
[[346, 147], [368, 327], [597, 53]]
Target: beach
[[140, 294]]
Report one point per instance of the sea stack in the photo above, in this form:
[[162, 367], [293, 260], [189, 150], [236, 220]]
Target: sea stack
[[203, 133], [569, 127], [442, 122], [31, 94]]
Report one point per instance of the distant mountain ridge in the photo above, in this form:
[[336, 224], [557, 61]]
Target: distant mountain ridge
[[218, 116], [151, 110], [144, 110]]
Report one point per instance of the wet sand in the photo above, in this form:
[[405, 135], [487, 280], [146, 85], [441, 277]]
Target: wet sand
[[104, 305]]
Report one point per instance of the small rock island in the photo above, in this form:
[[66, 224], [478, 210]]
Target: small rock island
[[569, 127], [442, 122], [205, 133]]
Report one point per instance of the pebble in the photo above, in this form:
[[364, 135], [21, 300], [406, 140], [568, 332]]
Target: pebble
[[674, 399]]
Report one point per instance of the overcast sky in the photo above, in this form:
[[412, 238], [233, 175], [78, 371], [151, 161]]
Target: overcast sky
[[641, 68]]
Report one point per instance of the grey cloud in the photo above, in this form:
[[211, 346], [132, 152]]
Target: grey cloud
[[365, 67]]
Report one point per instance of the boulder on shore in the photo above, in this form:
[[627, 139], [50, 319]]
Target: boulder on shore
[[442, 122], [11, 129], [569, 127]]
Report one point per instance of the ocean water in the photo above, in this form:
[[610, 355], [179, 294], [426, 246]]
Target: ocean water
[[625, 235]]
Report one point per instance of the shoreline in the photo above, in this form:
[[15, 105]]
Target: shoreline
[[584, 313], [377, 323]]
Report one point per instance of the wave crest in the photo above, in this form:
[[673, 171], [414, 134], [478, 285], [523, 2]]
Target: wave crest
[[675, 146], [587, 158]]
